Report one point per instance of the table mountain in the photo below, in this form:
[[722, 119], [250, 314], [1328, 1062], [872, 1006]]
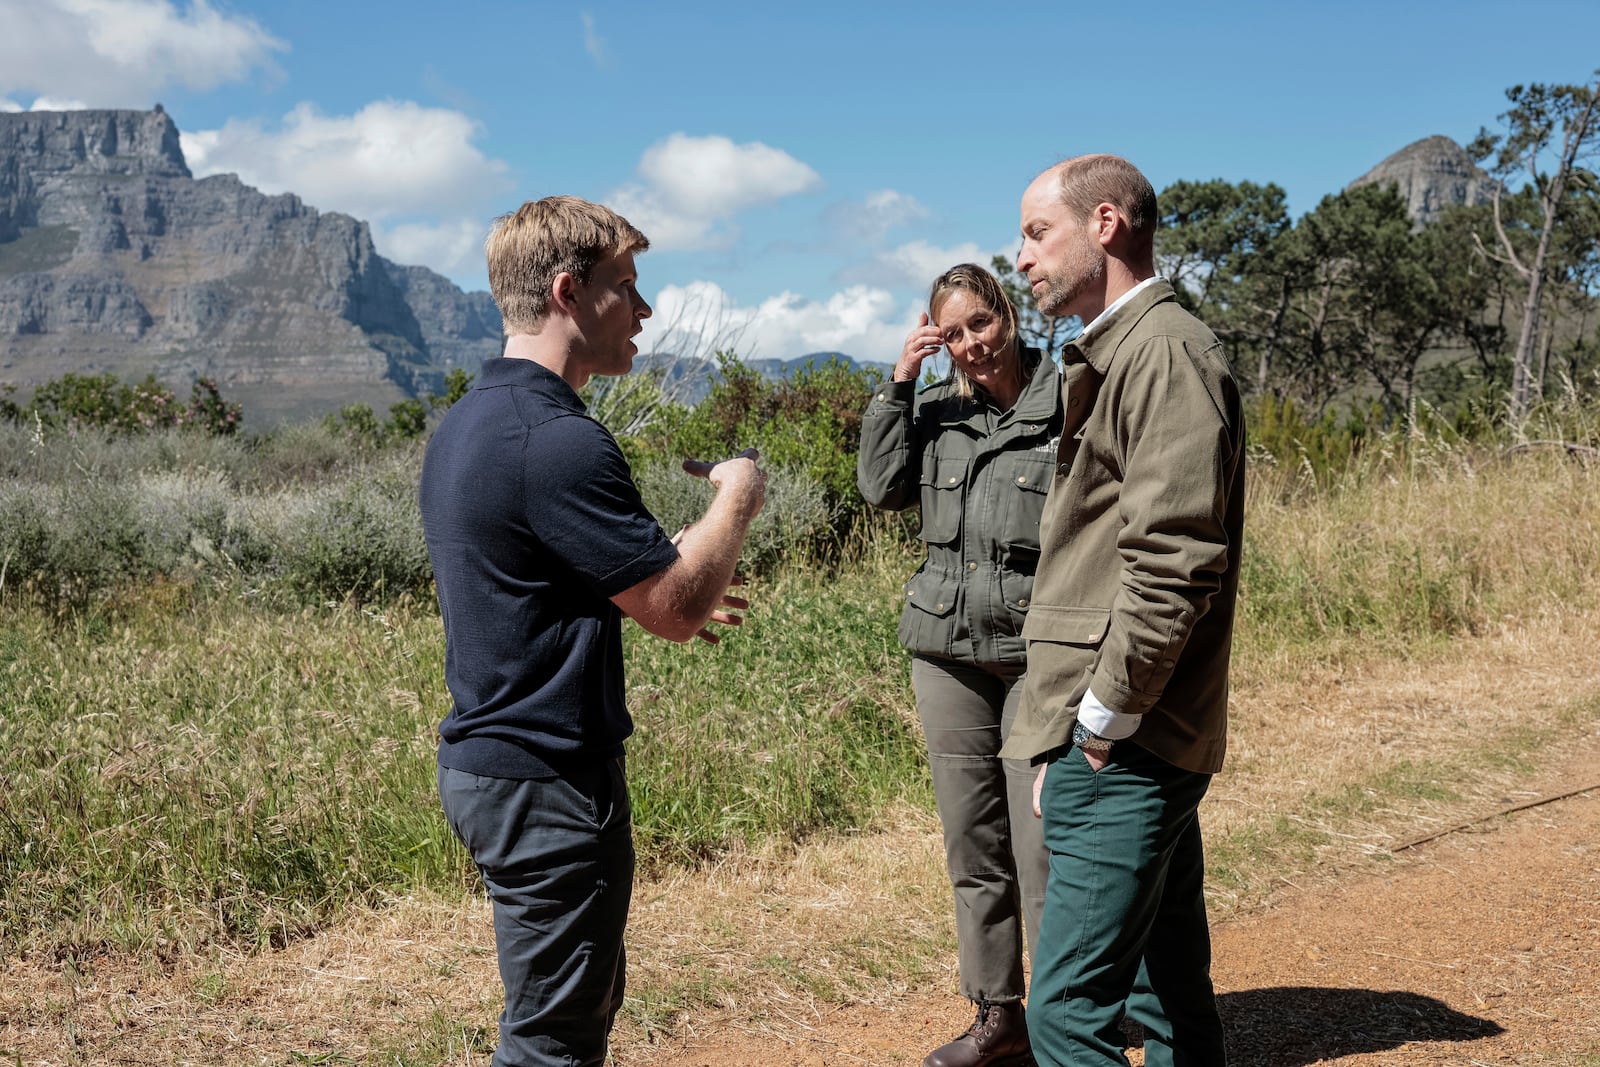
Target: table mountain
[[113, 257]]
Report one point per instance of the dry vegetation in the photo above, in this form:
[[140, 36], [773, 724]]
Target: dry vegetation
[[1439, 663]]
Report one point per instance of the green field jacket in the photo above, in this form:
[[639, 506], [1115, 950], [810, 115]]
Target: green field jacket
[[1139, 574], [980, 476]]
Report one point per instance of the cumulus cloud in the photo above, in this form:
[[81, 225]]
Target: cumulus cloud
[[862, 321], [389, 159], [121, 53], [453, 247], [692, 187]]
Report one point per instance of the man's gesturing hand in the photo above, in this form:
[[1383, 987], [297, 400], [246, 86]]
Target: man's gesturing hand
[[739, 476]]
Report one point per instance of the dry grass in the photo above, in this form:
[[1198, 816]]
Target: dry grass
[[1427, 646], [770, 941]]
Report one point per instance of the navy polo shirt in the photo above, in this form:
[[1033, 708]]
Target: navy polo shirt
[[533, 523]]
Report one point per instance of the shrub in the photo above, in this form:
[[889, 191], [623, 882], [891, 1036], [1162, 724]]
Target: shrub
[[795, 522], [807, 422], [103, 402], [357, 538]]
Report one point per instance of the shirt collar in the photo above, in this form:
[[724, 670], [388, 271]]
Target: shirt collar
[[1117, 304], [1101, 338]]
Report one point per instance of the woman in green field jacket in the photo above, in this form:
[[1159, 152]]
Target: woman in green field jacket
[[975, 452]]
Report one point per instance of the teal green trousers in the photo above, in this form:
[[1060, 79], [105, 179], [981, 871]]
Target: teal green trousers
[[1124, 911]]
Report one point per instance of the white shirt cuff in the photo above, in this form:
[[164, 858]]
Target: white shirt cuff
[[1102, 721]]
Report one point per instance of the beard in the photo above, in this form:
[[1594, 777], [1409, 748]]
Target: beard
[[1085, 265]]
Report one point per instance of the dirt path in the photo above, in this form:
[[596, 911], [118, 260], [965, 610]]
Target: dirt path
[[1480, 948]]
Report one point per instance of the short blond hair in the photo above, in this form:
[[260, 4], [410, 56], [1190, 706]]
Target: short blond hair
[[528, 248], [1088, 181]]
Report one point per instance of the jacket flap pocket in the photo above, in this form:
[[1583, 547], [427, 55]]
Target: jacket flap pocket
[[1066, 626], [942, 483], [1032, 471], [944, 474], [932, 593]]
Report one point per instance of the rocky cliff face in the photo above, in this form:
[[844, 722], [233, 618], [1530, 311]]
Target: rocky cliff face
[[1432, 174], [113, 257]]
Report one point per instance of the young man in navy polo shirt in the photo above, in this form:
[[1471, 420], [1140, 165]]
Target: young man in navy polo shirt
[[540, 545]]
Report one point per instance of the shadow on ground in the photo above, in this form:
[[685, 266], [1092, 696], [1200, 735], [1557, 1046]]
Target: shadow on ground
[[1289, 1026]]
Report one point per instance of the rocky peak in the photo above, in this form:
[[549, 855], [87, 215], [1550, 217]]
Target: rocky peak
[[113, 257], [1431, 175]]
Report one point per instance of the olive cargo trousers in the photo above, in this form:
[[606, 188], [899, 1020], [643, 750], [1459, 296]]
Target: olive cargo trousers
[[994, 845]]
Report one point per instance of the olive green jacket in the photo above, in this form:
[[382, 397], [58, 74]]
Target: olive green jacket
[[1139, 574], [980, 476]]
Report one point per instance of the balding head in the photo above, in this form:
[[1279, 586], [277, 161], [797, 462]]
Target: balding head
[[1086, 182]]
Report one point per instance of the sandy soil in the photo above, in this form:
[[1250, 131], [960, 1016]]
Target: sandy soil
[[1482, 947]]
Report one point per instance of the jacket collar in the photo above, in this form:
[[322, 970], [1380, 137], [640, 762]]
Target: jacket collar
[[1042, 395], [1099, 347]]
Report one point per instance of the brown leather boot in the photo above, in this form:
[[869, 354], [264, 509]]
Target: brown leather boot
[[998, 1037]]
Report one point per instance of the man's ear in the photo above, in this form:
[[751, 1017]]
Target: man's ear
[[1108, 224], [564, 293]]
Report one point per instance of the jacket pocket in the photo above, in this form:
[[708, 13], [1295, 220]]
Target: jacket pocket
[[1028, 476], [1082, 627], [1063, 645], [944, 486], [1016, 593], [929, 621]]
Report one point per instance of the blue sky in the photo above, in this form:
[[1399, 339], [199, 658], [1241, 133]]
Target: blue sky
[[803, 170]]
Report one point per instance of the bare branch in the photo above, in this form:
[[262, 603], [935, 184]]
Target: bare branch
[[1505, 240]]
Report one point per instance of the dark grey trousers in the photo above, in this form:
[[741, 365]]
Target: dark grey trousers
[[994, 846], [556, 855]]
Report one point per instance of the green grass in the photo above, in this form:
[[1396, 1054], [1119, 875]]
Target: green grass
[[184, 771]]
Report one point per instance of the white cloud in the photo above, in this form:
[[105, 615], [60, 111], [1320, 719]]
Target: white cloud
[[916, 264], [453, 247], [121, 53], [875, 215], [693, 187], [594, 44], [51, 103], [392, 158], [861, 321]]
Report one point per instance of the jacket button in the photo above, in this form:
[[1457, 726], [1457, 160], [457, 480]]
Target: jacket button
[[938, 607], [953, 481], [910, 594], [1022, 603], [880, 396], [1022, 480], [1073, 402], [1167, 663], [1062, 469], [972, 566]]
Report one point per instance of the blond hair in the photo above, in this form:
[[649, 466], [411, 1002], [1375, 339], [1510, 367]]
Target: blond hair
[[971, 278], [528, 248], [1088, 181]]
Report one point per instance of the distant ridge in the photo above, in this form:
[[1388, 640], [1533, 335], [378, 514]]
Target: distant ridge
[[690, 380], [1431, 175]]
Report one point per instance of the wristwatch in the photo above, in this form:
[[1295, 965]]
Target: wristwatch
[[1090, 742]]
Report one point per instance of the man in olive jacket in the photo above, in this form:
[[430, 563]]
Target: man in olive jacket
[[1129, 632]]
